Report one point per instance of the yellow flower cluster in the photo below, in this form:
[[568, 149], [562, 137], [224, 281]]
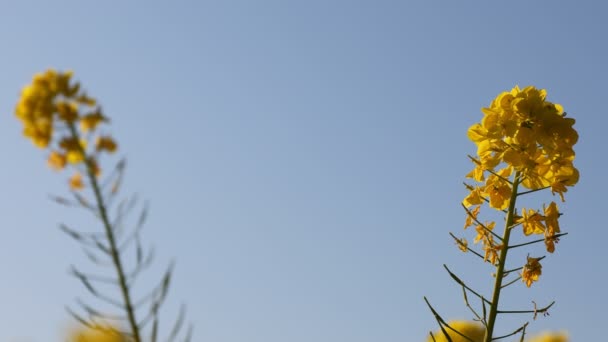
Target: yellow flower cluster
[[523, 136], [522, 131], [51, 103]]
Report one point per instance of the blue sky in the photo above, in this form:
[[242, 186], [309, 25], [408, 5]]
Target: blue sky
[[303, 160]]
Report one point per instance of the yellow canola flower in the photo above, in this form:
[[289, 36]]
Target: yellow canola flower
[[463, 244], [552, 224], [473, 330], [57, 161], [74, 149], [471, 217], [67, 111], [76, 182], [498, 191], [90, 121], [523, 130], [532, 222], [106, 143], [551, 216], [475, 197], [531, 271], [52, 103]]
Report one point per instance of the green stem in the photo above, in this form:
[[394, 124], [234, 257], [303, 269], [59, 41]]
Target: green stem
[[500, 268], [122, 281]]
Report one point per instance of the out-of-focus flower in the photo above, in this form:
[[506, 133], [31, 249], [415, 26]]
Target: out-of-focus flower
[[463, 244], [74, 149], [102, 335], [57, 114], [57, 161], [473, 330], [105, 143], [76, 182], [90, 121], [531, 271], [550, 337]]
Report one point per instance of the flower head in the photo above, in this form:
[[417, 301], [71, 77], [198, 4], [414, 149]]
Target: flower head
[[522, 130], [57, 114]]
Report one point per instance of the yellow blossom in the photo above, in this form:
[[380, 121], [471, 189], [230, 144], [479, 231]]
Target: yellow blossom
[[491, 251], [532, 222], [57, 160], [90, 121], [68, 111], [463, 244], [50, 100], [499, 192], [471, 217], [475, 197], [105, 143], [522, 129], [552, 224], [76, 182], [74, 149], [483, 231], [531, 271]]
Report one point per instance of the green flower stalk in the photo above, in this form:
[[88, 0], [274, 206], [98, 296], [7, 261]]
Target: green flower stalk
[[523, 142]]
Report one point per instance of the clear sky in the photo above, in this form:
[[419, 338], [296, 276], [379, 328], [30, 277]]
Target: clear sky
[[303, 160]]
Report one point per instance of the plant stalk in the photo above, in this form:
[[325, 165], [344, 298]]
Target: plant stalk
[[124, 288], [500, 268]]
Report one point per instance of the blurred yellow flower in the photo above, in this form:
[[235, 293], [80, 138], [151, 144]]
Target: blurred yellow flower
[[36, 108], [68, 111], [90, 121], [550, 337], [463, 244], [76, 182], [473, 330], [106, 143], [90, 335], [57, 161]]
